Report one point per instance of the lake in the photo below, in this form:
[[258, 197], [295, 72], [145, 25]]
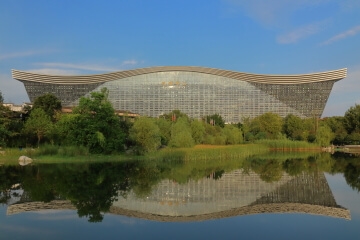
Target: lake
[[272, 196]]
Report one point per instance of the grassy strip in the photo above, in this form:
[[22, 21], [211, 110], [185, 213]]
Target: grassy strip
[[204, 152], [55, 154], [289, 145]]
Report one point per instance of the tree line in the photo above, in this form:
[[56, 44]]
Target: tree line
[[94, 125]]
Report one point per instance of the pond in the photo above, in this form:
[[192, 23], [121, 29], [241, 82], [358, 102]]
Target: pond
[[274, 196]]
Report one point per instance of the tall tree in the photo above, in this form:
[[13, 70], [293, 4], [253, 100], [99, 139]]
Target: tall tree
[[197, 131], [49, 103], [96, 126], [352, 119], [39, 123], [1, 97], [294, 127], [337, 127], [146, 135], [233, 134], [181, 134], [268, 123], [324, 135], [5, 119], [165, 129]]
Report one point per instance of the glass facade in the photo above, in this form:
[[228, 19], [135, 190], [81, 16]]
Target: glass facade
[[66, 93], [197, 94]]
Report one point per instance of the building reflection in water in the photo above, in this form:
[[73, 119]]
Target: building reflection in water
[[234, 194]]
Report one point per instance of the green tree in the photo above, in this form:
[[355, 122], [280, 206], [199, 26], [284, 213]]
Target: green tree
[[353, 138], [197, 131], [146, 135], [324, 135], [165, 130], [233, 134], [337, 127], [352, 176], [1, 97], [215, 120], [294, 128], [5, 119], [174, 115], [49, 103], [38, 123], [181, 134], [96, 126], [63, 127], [352, 119], [269, 123]]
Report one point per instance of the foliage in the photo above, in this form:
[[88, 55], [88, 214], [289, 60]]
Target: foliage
[[49, 103], [324, 136], [181, 134], [197, 131], [39, 123], [232, 134], [215, 120], [5, 115], [337, 127], [268, 123], [174, 115], [294, 127], [146, 134], [353, 138], [213, 135], [352, 119], [164, 126], [1, 97], [95, 125], [269, 170]]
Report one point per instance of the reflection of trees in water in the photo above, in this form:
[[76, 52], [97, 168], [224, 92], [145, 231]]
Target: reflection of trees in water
[[350, 166], [92, 187], [268, 170], [352, 176]]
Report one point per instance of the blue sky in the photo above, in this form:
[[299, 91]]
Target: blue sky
[[256, 36]]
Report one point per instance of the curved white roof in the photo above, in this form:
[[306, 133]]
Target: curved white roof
[[248, 77]]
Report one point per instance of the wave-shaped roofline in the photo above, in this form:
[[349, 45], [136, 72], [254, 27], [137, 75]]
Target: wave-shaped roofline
[[336, 212], [333, 75]]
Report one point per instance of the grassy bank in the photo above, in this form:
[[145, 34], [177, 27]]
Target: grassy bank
[[54, 154], [209, 152], [289, 145]]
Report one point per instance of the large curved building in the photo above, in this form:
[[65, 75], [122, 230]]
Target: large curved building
[[196, 91]]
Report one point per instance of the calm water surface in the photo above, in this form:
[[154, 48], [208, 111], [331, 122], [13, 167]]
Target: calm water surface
[[276, 196]]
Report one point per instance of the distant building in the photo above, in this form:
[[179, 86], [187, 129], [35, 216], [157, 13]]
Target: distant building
[[17, 108], [196, 91]]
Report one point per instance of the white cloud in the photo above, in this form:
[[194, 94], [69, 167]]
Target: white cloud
[[58, 68], [351, 32], [300, 33], [129, 62], [272, 12], [88, 67], [23, 54]]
